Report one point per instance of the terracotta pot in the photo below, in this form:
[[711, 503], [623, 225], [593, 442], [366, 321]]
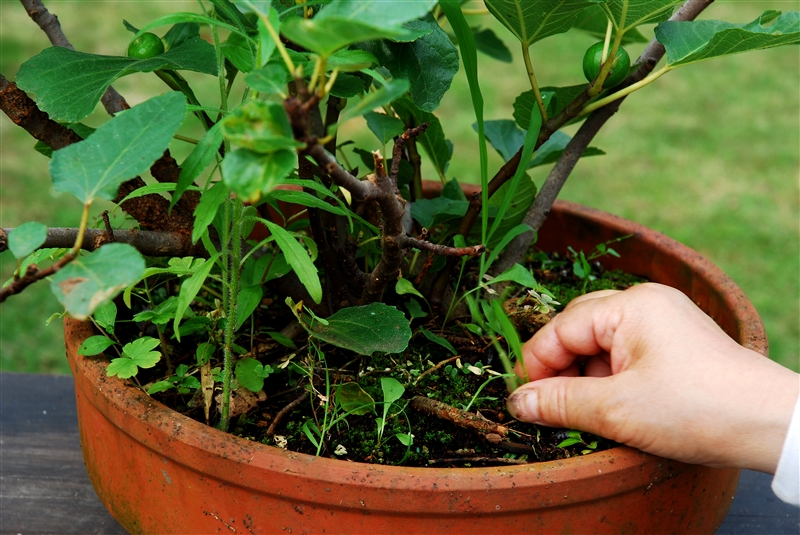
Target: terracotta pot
[[160, 472]]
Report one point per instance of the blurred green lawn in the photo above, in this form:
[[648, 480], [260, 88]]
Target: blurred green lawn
[[708, 155]]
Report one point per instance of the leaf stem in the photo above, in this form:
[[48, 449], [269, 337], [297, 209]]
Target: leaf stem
[[76, 249], [625, 91], [526, 55]]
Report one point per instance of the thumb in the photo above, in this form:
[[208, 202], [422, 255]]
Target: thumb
[[583, 403]]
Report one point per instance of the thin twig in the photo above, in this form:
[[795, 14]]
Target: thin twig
[[283, 412], [561, 171]]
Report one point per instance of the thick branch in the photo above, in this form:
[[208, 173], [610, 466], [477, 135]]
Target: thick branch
[[146, 242], [112, 101], [23, 112], [549, 191]]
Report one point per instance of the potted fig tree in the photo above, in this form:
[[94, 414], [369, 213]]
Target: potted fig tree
[[292, 330]]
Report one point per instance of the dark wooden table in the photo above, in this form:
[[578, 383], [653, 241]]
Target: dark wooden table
[[44, 488]]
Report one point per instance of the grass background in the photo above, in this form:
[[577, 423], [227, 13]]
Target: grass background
[[708, 154]]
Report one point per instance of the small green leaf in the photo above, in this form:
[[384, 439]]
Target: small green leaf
[[135, 355], [105, 316], [272, 78], [354, 400], [438, 340], [392, 391], [250, 373], [26, 238], [260, 126], [119, 150], [366, 329], [351, 60], [249, 299], [508, 330], [141, 351], [207, 209], [298, 259], [89, 281], [404, 287], [405, 439], [161, 314], [200, 157], [384, 126], [569, 442], [122, 367], [204, 352], [179, 34], [516, 273], [251, 175], [94, 345], [239, 51], [415, 309], [487, 42], [383, 96], [160, 386], [189, 290]]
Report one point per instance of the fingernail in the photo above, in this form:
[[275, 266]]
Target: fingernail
[[524, 405]]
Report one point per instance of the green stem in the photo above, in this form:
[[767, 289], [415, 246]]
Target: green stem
[[653, 76], [76, 249], [526, 55], [232, 271]]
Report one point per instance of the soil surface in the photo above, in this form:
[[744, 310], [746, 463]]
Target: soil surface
[[425, 407]]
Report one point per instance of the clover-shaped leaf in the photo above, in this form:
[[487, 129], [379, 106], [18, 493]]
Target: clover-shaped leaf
[[135, 355]]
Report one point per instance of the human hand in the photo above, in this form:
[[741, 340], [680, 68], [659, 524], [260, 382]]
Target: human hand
[[659, 375]]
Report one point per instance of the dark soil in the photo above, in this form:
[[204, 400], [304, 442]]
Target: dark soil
[[452, 406]]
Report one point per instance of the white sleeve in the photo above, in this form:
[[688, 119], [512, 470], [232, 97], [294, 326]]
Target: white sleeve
[[786, 483]]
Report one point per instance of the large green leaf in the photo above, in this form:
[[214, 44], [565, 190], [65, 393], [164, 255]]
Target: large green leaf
[[298, 259], [68, 84], [119, 150], [250, 174], [533, 20], [690, 42], [429, 63], [89, 281], [365, 329], [344, 22], [627, 14], [376, 12]]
